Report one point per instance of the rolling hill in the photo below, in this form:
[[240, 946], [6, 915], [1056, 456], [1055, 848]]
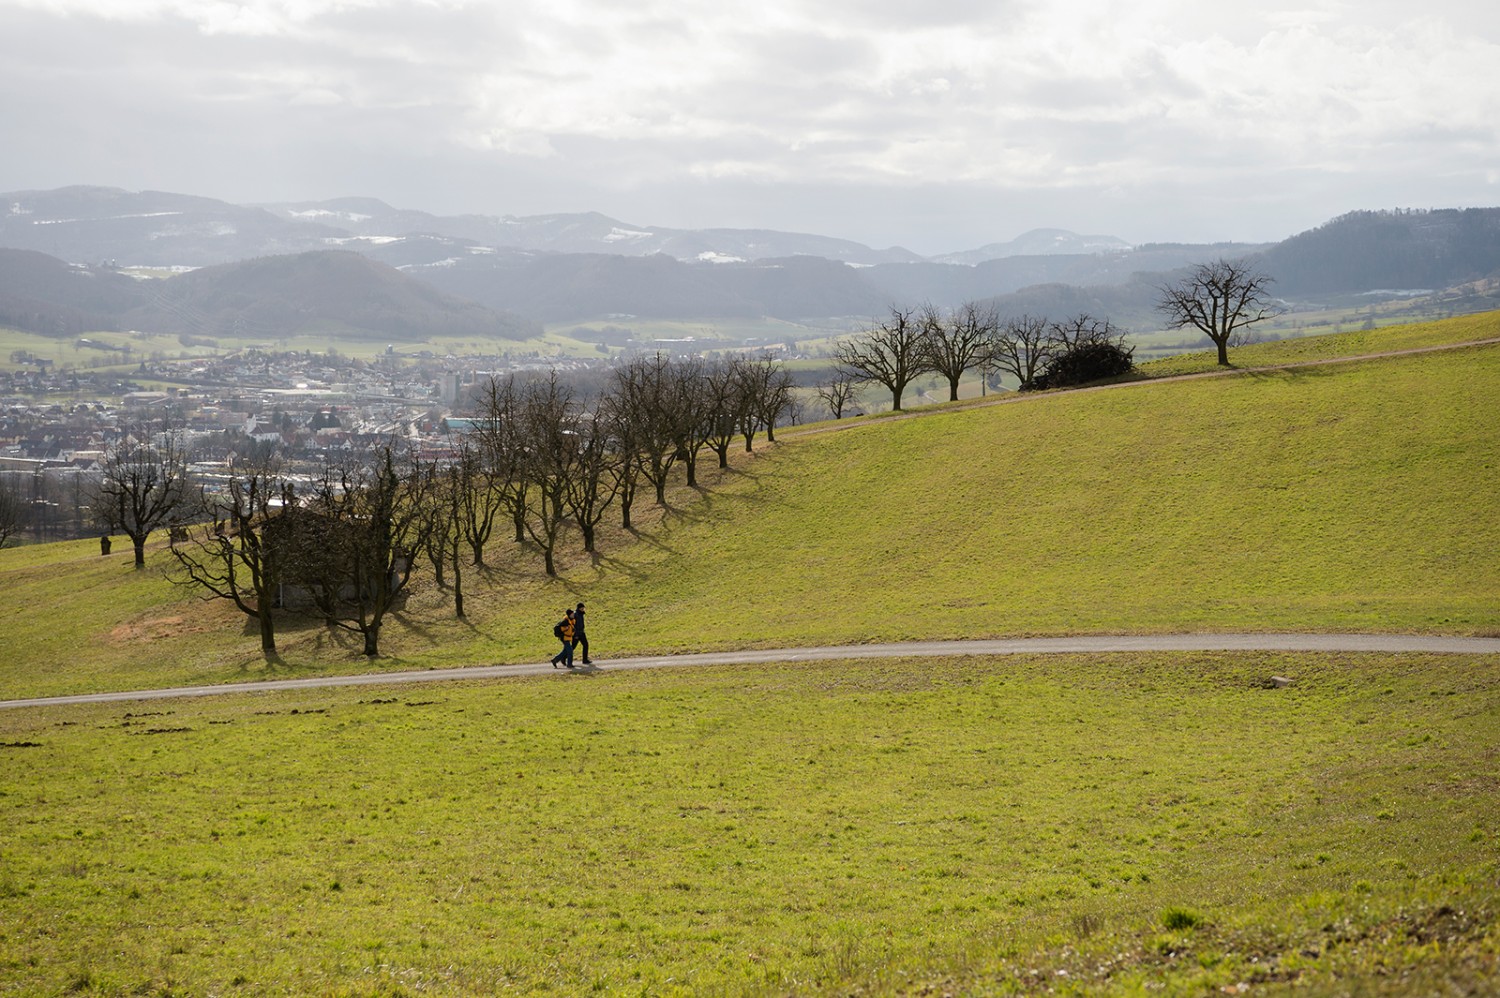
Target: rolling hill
[[325, 292], [1360, 496], [1093, 824]]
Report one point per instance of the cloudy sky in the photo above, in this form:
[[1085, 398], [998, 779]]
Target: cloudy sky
[[938, 125]]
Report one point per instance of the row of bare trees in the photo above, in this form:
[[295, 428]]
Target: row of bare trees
[[1220, 299], [914, 342], [540, 460]]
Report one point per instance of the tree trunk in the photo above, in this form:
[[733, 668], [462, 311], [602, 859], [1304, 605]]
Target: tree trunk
[[625, 514], [372, 641], [1222, 342], [952, 389], [588, 536], [267, 635]]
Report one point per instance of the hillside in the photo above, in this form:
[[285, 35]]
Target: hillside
[[42, 294], [1351, 497], [327, 292], [96, 225], [569, 287], [334, 291], [1388, 250]]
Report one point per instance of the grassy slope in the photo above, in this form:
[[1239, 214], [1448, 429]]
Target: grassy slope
[[1104, 824], [980, 827], [1358, 496]]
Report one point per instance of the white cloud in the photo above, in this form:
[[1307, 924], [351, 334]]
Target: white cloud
[[1089, 96]]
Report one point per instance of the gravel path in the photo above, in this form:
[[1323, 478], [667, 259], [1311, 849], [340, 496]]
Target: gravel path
[[1400, 643]]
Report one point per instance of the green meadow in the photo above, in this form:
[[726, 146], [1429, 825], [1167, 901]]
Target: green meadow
[[1117, 824], [1361, 496], [1121, 824]]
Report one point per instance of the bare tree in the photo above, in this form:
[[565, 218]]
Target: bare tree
[[548, 417], [1219, 299], [958, 341], [12, 514], [143, 486], [645, 397], [443, 496], [837, 393], [482, 497], [1081, 330], [229, 557], [497, 428], [1021, 348], [625, 469], [892, 353], [594, 483], [770, 394], [725, 383], [355, 541], [688, 411]]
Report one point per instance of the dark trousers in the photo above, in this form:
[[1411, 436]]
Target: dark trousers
[[582, 641], [565, 656]]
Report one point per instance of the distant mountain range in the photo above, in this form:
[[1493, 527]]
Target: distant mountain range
[[488, 271], [334, 294]]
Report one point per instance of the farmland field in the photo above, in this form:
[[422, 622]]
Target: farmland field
[[1099, 824]]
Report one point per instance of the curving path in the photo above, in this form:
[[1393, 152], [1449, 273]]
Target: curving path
[[1399, 643]]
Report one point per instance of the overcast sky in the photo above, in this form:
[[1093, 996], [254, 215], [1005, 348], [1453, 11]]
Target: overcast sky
[[938, 125]]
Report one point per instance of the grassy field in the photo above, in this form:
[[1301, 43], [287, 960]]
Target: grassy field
[[1349, 497], [1114, 824]]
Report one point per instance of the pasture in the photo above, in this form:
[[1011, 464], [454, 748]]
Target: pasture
[[1106, 824]]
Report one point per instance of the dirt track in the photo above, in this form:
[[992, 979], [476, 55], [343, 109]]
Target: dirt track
[[1399, 643]]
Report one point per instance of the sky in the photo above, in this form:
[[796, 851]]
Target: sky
[[937, 125]]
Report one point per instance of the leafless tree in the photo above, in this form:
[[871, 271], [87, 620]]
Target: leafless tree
[[594, 483], [646, 398], [624, 469], [12, 514], [837, 393], [1220, 299], [769, 395], [443, 493], [229, 557], [958, 341], [548, 419], [1080, 330], [892, 353], [688, 410], [1021, 348], [497, 425], [143, 486], [355, 542], [725, 382], [482, 497]]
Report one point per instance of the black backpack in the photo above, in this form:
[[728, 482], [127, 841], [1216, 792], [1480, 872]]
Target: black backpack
[[557, 629]]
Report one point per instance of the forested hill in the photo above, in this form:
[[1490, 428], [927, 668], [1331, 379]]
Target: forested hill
[[332, 292], [1370, 250]]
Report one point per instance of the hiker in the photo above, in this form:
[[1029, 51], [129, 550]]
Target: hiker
[[563, 630], [580, 636]]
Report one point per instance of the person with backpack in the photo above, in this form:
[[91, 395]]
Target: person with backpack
[[580, 636], [563, 631]]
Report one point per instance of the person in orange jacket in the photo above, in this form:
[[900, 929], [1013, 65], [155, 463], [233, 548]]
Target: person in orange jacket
[[563, 630]]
